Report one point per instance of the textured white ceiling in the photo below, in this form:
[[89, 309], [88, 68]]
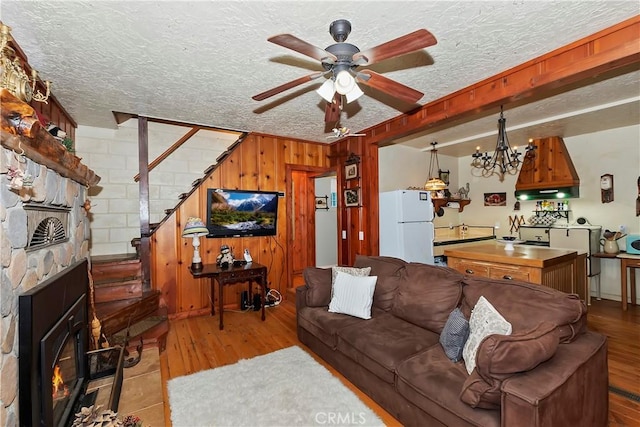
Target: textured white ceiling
[[201, 62]]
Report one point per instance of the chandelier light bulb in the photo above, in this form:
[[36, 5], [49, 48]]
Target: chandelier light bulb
[[354, 94], [344, 82], [326, 91]]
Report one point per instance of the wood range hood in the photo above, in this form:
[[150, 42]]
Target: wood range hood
[[548, 172]]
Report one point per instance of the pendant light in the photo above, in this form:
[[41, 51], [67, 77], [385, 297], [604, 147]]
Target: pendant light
[[434, 183]]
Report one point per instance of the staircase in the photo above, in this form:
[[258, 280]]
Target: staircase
[[122, 304]]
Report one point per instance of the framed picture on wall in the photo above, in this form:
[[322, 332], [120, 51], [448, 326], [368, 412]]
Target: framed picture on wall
[[322, 202], [351, 171], [495, 199], [352, 197], [444, 176]]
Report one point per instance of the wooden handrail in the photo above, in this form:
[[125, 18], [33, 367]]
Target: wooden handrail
[[169, 150]]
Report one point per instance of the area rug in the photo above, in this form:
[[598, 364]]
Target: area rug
[[284, 388]]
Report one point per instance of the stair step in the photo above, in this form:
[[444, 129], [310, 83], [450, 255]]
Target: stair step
[[117, 315], [103, 271], [152, 330], [115, 290]]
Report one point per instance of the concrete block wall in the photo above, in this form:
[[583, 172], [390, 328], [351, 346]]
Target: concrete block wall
[[113, 155]]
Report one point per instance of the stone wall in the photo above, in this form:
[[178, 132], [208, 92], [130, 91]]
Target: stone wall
[[22, 269]]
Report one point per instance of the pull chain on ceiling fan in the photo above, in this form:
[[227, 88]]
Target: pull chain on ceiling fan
[[341, 60]]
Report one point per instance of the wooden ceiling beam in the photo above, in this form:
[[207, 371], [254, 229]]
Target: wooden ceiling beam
[[610, 52]]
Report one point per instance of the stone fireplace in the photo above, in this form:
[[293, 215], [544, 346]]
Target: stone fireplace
[[55, 204]]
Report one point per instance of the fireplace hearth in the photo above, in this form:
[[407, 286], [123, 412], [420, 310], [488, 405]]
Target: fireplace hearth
[[55, 364]]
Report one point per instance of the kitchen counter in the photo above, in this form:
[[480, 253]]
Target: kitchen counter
[[444, 241], [561, 269], [455, 237], [522, 255]]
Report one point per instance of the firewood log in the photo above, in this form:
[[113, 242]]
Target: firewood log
[[17, 117]]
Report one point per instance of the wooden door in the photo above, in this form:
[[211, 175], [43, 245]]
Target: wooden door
[[301, 221]]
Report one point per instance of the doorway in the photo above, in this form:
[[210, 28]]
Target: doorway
[[301, 220]]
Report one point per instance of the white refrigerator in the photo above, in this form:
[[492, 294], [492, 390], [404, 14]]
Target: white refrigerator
[[406, 225]]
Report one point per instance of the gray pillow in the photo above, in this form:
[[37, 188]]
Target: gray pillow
[[358, 272], [454, 335]]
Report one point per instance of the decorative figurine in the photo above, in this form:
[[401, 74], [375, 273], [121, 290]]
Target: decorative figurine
[[225, 258]]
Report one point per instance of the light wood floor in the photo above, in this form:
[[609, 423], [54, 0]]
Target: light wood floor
[[196, 344]]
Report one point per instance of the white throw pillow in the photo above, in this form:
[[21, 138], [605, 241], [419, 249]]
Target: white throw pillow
[[353, 295], [485, 320]]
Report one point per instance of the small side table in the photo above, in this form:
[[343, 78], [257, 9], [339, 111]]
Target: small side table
[[251, 272], [631, 262]]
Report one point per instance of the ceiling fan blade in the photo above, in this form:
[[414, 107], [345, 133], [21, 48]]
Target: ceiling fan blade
[[292, 42], [332, 109], [391, 87], [408, 43], [287, 86]]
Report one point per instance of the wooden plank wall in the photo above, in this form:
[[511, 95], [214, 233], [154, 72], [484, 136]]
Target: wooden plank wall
[[354, 220], [257, 163]]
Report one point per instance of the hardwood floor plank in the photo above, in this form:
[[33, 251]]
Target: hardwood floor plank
[[196, 343]]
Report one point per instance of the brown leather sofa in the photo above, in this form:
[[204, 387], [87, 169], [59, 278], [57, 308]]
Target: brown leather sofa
[[551, 371]]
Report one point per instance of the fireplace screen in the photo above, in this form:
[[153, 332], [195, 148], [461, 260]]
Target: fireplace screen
[[64, 379], [61, 351], [53, 343]]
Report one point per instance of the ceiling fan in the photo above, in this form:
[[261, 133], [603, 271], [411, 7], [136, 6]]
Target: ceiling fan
[[341, 61]]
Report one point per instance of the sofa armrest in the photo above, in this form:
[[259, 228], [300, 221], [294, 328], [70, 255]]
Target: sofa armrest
[[301, 297], [571, 388]]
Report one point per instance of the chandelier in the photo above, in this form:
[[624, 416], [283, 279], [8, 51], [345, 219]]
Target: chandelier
[[434, 183], [505, 160]]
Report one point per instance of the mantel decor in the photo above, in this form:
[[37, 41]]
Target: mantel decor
[[13, 76], [21, 132]]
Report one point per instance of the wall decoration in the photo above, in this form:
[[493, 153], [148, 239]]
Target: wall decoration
[[351, 171], [352, 197], [495, 199], [606, 188], [322, 202], [444, 176]]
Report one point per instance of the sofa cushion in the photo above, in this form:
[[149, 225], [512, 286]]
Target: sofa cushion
[[381, 343], [352, 295], [324, 325], [526, 305], [454, 335], [485, 320], [431, 382], [500, 357], [318, 282], [380, 265], [360, 272], [389, 271], [427, 294]]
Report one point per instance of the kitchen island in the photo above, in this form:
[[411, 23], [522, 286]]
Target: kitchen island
[[561, 269]]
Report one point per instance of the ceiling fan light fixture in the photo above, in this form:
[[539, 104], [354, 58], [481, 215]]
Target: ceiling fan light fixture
[[327, 90], [354, 94], [344, 82]]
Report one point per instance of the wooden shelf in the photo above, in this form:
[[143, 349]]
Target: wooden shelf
[[442, 203]]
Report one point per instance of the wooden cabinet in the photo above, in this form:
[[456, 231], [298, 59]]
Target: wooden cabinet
[[555, 268], [492, 270]]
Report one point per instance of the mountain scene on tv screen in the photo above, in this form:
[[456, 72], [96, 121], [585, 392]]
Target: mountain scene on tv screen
[[243, 212]]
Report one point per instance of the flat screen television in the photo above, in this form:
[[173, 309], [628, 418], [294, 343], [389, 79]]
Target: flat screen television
[[241, 213]]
